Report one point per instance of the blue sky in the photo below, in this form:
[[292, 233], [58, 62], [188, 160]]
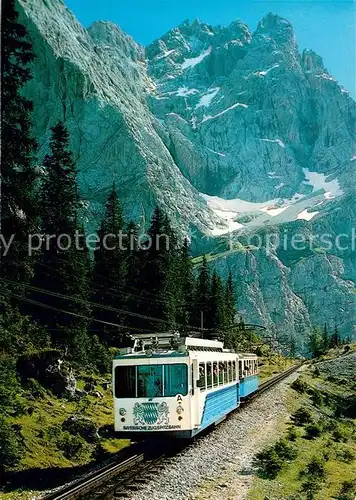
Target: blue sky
[[327, 26]]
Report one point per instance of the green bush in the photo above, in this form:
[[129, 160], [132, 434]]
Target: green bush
[[317, 398], [100, 356], [81, 426], [292, 434], [284, 450], [315, 468], [347, 491], [346, 407], [9, 385], [269, 462], [328, 424], [346, 455], [316, 372], [299, 386], [313, 431], [310, 487], [73, 447], [340, 434], [11, 447], [302, 416]]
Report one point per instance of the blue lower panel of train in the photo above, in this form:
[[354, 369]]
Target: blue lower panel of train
[[218, 404], [248, 385]]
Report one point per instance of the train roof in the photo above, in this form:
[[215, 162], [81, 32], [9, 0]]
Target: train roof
[[171, 344]]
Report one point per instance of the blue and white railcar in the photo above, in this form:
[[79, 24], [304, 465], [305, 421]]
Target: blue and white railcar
[[181, 390]]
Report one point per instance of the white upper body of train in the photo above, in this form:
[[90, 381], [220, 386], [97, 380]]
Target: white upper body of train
[[178, 387]]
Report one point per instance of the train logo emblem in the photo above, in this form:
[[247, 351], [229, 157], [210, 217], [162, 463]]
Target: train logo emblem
[[151, 413]]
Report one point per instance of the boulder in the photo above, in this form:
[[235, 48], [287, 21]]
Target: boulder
[[48, 368]]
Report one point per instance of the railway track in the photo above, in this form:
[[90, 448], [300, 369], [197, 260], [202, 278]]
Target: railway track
[[107, 481]]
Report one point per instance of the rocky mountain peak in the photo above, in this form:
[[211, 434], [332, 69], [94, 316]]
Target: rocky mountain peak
[[312, 62], [276, 27], [229, 132]]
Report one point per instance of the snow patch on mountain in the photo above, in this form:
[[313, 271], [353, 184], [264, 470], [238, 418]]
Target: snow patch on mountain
[[265, 72], [319, 181], [215, 152], [209, 117], [305, 215], [276, 141], [206, 99], [184, 92], [165, 54], [271, 212], [193, 61]]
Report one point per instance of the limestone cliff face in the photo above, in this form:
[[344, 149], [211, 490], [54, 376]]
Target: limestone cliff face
[[96, 81], [229, 131]]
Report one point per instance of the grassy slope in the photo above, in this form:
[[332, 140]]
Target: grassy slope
[[41, 420], [272, 364], [49, 412], [288, 483]]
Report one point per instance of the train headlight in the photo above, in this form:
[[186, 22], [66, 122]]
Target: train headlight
[[122, 412], [180, 410]]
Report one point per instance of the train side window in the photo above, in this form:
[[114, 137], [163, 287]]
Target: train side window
[[221, 373], [226, 376], [240, 369], [201, 381], [215, 373], [229, 371], [234, 370], [208, 375]]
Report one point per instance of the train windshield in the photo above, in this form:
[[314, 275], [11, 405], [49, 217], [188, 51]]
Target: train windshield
[[151, 381]]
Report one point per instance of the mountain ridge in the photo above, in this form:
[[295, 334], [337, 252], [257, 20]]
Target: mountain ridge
[[231, 132]]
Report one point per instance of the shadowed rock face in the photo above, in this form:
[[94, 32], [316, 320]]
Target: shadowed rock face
[[216, 110]]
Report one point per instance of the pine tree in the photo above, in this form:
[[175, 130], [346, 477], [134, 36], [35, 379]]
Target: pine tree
[[230, 305], [62, 267], [325, 338], [109, 273], [134, 258], [157, 275], [292, 347], [19, 209], [202, 295], [186, 283], [335, 339], [172, 285], [217, 303], [315, 343]]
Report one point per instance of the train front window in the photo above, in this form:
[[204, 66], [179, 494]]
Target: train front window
[[125, 381], [151, 381], [175, 380]]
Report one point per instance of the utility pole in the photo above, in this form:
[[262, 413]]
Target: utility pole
[[202, 320]]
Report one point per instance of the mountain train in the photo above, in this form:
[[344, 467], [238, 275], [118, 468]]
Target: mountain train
[[177, 387]]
